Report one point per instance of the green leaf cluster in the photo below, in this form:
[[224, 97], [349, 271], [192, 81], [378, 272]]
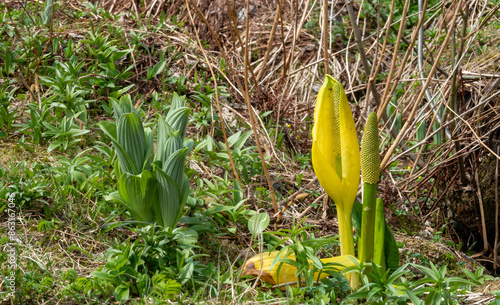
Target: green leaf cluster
[[153, 186]]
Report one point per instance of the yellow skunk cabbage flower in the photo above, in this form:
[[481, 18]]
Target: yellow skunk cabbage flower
[[335, 155], [260, 264]]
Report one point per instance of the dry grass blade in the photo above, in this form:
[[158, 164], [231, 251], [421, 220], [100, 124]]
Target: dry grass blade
[[388, 154], [223, 127]]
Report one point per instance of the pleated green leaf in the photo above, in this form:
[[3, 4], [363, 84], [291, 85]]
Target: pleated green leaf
[[117, 168], [149, 151], [122, 106], [184, 191], [139, 194], [164, 131], [177, 119], [174, 166], [168, 207], [173, 144], [125, 162], [115, 196], [177, 101], [151, 190], [131, 136], [189, 144], [109, 129]]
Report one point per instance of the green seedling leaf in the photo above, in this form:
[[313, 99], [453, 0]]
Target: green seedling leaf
[[186, 273], [116, 94], [105, 276], [47, 12], [122, 293], [186, 236], [157, 69], [258, 223]]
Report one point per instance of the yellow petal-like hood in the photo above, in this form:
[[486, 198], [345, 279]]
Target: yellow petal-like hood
[[351, 162], [335, 150], [260, 265]]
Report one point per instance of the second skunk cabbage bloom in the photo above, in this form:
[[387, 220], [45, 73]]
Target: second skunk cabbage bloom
[[335, 155]]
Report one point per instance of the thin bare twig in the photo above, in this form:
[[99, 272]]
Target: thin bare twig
[[325, 34], [387, 156], [252, 116], [216, 96]]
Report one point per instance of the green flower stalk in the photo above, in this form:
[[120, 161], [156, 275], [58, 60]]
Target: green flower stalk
[[370, 173], [379, 238], [335, 156]]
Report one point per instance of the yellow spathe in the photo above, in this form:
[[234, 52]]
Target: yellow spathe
[[260, 265], [336, 157], [330, 134]]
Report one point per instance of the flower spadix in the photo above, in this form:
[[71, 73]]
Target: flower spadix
[[335, 155]]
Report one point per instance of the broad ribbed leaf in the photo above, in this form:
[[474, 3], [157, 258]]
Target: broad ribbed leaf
[[126, 163], [177, 101], [109, 129], [189, 144], [123, 106], [184, 193], [173, 144], [117, 168], [174, 165], [168, 206], [115, 196], [177, 119], [149, 136], [124, 159], [131, 136], [164, 132], [139, 194]]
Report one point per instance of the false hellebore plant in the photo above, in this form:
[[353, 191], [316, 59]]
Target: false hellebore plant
[[153, 187]]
